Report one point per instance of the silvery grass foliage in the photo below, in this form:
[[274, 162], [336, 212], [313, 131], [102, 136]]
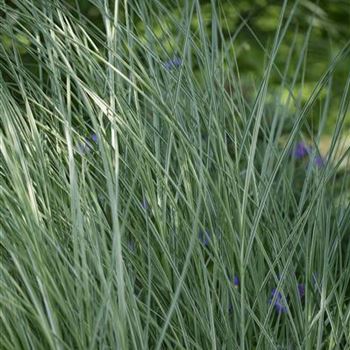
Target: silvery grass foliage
[[101, 249]]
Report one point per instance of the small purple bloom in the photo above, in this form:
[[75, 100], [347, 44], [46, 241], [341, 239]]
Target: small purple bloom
[[301, 150], [319, 161], [86, 146], [204, 237], [94, 138], [173, 63], [301, 290], [279, 303], [280, 308], [236, 281], [144, 203]]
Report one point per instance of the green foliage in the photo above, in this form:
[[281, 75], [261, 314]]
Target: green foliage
[[148, 158]]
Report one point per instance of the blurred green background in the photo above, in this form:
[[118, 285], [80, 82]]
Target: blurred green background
[[330, 32]]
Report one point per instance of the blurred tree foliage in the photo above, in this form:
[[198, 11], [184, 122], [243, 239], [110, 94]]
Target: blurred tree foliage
[[330, 32]]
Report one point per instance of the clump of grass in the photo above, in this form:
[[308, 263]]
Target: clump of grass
[[146, 206]]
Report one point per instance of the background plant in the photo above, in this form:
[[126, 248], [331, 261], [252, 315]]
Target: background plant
[[152, 196]]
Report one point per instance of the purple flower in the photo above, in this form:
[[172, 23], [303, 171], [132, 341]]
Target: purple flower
[[301, 150], [319, 161], [94, 138], [236, 281], [204, 237], [301, 290], [86, 146], [144, 203], [173, 63], [280, 308], [279, 302]]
